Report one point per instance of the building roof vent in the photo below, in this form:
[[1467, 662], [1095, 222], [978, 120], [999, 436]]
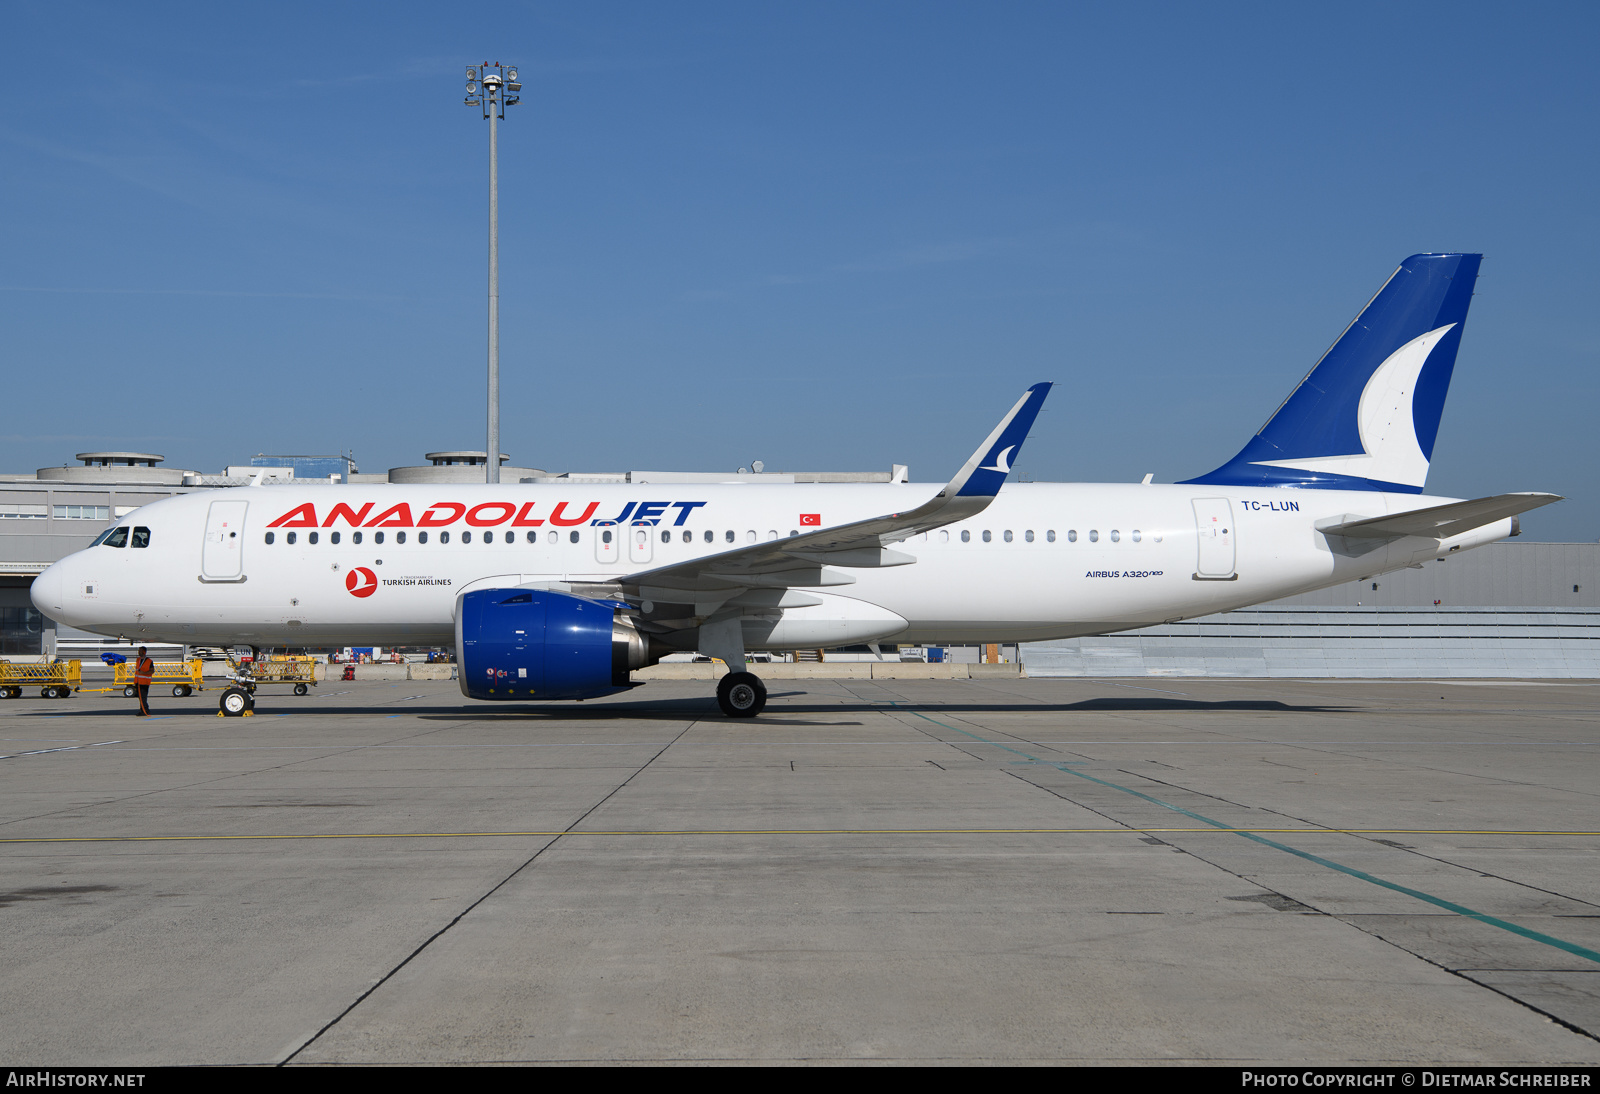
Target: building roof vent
[[119, 459]]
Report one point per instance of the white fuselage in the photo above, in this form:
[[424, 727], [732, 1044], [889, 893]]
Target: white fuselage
[[1044, 560]]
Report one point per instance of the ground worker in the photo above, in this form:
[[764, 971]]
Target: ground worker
[[143, 672]]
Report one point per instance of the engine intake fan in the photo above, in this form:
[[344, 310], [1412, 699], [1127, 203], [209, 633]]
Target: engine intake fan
[[526, 644]]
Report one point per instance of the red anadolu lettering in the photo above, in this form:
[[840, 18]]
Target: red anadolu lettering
[[476, 518], [350, 515], [432, 519], [396, 516], [561, 507], [301, 516]]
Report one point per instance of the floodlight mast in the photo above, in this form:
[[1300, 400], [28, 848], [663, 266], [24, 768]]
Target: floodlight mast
[[493, 87]]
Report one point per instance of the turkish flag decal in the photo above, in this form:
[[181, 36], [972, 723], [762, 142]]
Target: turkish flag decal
[[811, 520]]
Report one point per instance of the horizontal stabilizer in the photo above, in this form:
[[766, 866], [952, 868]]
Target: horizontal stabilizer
[[1441, 521]]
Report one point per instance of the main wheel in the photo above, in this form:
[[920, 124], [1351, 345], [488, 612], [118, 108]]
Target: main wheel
[[300, 689], [130, 691], [741, 695], [234, 702]]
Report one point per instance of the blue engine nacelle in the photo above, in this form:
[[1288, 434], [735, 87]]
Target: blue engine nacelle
[[533, 644]]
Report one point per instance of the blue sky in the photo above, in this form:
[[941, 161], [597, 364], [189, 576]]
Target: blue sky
[[825, 236]]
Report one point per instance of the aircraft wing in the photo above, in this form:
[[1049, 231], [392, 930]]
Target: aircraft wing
[[808, 560], [1441, 521]]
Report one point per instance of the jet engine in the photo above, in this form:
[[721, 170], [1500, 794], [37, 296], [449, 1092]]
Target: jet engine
[[534, 644]]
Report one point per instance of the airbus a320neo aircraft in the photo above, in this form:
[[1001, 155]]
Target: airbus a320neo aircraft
[[558, 591]]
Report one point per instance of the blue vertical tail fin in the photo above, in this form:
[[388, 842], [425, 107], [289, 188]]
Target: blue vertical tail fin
[[1365, 418]]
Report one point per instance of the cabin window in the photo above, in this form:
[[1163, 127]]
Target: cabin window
[[666, 537], [1050, 536], [399, 537], [966, 536], [466, 537], [377, 537], [533, 537], [310, 537], [444, 537], [1028, 535], [333, 538], [1094, 535], [552, 537], [605, 536], [729, 536], [750, 535], [688, 536], [1008, 535], [290, 538], [1136, 536], [709, 535], [1072, 535], [988, 536], [573, 536], [1116, 536], [355, 537], [422, 537], [511, 537], [270, 537], [944, 535]]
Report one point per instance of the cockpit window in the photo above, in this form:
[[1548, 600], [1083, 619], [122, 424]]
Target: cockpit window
[[118, 537], [141, 537], [102, 537]]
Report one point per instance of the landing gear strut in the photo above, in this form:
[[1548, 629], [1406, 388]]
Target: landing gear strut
[[741, 694]]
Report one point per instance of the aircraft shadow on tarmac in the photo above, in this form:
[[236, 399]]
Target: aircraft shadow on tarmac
[[699, 708]]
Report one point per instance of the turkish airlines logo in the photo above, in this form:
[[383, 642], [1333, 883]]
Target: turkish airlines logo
[[811, 520], [361, 582]]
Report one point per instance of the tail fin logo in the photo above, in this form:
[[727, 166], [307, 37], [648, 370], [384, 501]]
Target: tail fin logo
[[1390, 451], [1002, 462]]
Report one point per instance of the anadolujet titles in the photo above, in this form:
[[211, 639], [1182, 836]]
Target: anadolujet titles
[[559, 592]]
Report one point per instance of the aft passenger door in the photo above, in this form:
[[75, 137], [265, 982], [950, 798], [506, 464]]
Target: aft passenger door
[[1213, 525], [222, 556]]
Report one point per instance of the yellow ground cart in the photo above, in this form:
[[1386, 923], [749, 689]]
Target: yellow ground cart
[[240, 699], [293, 669], [183, 676], [55, 680]]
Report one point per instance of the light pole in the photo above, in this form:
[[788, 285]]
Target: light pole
[[493, 88]]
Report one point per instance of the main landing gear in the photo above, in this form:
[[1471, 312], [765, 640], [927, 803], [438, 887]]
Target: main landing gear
[[741, 694]]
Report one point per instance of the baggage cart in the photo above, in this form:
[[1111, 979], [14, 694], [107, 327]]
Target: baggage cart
[[182, 676], [55, 680]]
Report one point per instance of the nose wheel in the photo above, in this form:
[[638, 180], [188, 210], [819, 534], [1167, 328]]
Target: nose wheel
[[741, 694]]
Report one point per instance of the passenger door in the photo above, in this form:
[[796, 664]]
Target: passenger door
[[222, 557], [1213, 525]]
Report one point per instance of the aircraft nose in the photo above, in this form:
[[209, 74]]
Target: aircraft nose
[[47, 591]]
